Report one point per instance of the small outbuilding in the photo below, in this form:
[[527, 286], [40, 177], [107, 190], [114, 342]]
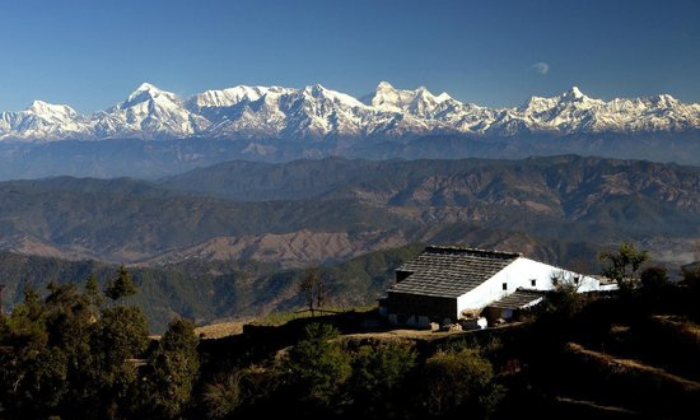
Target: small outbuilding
[[448, 284]]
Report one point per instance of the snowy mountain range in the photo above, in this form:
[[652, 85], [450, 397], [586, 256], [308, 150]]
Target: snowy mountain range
[[316, 112]]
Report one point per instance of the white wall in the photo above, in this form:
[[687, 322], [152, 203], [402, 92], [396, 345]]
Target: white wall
[[546, 272], [519, 274]]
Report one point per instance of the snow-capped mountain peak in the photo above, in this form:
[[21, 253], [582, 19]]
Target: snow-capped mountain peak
[[388, 98], [147, 87], [444, 96], [148, 92], [319, 92], [424, 94], [42, 121], [148, 113], [318, 112], [665, 101], [314, 90], [581, 100], [419, 102], [230, 96], [575, 94], [51, 111]]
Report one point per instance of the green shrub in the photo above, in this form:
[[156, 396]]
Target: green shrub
[[460, 383]]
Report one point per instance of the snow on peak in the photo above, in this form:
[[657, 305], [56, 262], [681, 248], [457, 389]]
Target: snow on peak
[[444, 96], [42, 121], [148, 113], [46, 109], [38, 104], [228, 97], [321, 93], [419, 103], [575, 92], [145, 86], [574, 95], [665, 100], [147, 92], [316, 111], [315, 90], [424, 94], [537, 104], [388, 98]]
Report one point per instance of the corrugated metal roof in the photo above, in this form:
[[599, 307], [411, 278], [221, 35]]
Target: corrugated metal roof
[[519, 299], [451, 271]]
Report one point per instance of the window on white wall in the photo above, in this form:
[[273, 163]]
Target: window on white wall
[[533, 282], [505, 286]]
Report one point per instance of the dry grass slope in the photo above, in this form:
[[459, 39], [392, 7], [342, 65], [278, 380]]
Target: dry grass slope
[[616, 366], [220, 330]]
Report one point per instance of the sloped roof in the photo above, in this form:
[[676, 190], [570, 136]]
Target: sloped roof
[[519, 299], [451, 271]]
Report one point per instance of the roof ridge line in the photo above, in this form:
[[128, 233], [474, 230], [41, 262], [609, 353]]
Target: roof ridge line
[[470, 249]]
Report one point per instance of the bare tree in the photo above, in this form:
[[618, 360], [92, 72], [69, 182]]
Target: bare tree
[[314, 290], [320, 294]]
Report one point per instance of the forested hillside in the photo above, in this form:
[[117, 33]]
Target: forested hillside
[[311, 212], [205, 291], [227, 241]]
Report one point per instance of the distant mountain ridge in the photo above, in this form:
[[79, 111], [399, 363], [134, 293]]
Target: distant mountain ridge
[[232, 239], [228, 240], [316, 211], [315, 112]]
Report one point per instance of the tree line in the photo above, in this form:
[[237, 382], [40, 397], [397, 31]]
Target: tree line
[[85, 353], [81, 352]]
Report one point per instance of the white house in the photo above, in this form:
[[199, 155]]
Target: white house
[[449, 284]]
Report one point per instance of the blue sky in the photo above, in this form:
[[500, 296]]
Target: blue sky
[[90, 54]]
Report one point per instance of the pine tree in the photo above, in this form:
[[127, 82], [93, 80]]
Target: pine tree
[[175, 367], [92, 293], [121, 287], [317, 365], [313, 289]]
